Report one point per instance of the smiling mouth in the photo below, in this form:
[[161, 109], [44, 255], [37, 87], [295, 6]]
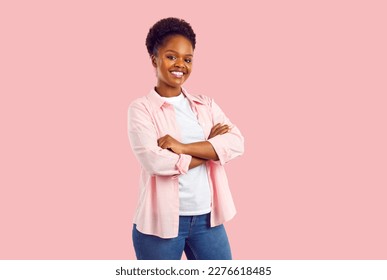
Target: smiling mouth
[[177, 74]]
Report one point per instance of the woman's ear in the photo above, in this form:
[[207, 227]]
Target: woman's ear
[[153, 58]]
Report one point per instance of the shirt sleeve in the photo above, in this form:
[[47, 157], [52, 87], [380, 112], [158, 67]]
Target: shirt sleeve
[[229, 145], [143, 139]]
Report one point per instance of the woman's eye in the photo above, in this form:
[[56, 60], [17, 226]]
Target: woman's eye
[[171, 57], [188, 60]]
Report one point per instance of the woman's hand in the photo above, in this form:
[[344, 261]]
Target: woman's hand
[[168, 142], [218, 129]]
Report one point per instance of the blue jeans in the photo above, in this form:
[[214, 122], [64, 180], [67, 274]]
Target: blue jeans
[[196, 238]]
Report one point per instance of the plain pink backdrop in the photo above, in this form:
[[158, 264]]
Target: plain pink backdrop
[[305, 81]]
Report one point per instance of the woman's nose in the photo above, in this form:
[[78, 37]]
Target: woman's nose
[[179, 63]]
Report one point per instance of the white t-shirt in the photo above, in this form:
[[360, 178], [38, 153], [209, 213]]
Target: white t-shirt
[[194, 188]]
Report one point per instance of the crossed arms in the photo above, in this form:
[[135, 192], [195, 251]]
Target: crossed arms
[[166, 156], [200, 151]]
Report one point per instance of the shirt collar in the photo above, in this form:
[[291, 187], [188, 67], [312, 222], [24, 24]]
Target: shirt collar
[[157, 101]]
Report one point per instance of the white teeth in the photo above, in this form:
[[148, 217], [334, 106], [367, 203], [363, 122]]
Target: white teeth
[[177, 73]]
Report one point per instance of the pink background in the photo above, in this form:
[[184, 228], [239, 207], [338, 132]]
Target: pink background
[[305, 81]]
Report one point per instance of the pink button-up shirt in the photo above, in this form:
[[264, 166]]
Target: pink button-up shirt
[[150, 118]]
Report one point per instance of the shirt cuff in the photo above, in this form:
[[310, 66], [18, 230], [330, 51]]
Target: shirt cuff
[[221, 150], [182, 164]]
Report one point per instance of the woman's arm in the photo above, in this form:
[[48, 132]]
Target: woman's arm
[[224, 143], [196, 162], [205, 149], [202, 150], [229, 145], [143, 140]]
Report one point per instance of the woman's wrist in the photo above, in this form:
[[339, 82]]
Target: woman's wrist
[[196, 162], [185, 149], [202, 149]]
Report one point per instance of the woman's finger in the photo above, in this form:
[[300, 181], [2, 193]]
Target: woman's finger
[[161, 142], [225, 128], [215, 127], [222, 128]]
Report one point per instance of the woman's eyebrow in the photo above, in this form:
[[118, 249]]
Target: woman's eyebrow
[[177, 52]]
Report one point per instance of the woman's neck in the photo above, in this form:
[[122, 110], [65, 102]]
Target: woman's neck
[[168, 91]]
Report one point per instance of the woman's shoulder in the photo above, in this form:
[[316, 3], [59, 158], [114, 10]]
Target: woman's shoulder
[[138, 101], [201, 98], [138, 104], [146, 101]]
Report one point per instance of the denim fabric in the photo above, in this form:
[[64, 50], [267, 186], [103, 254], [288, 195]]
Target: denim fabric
[[196, 238]]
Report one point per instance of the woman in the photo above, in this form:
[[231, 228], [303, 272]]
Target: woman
[[182, 142]]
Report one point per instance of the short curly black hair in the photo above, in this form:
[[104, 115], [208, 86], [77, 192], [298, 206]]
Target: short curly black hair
[[165, 28]]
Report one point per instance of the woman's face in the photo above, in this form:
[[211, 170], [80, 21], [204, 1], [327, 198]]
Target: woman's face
[[173, 61]]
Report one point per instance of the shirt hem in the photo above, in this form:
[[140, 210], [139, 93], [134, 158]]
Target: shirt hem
[[195, 213]]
